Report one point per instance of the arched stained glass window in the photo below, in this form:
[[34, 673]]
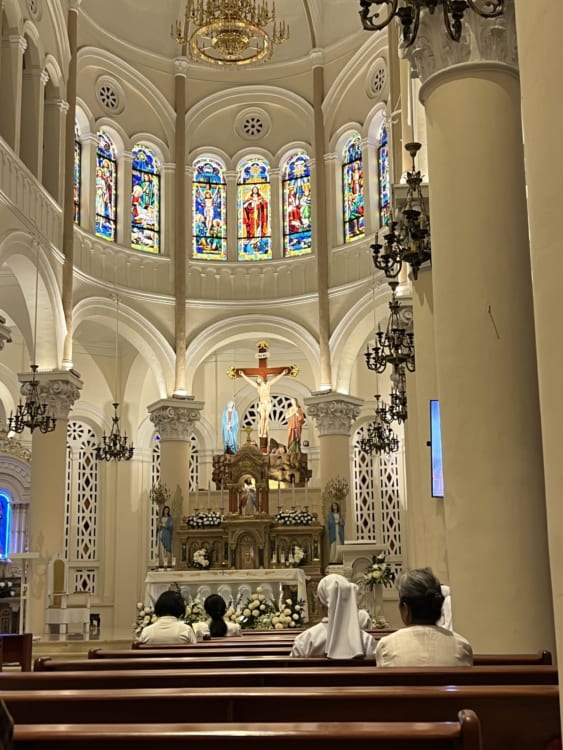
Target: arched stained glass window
[[106, 188], [209, 214], [77, 174], [384, 178], [353, 189], [145, 200], [5, 515], [297, 205], [253, 209]]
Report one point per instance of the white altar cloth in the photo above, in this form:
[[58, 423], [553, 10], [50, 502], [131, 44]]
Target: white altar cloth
[[232, 585]]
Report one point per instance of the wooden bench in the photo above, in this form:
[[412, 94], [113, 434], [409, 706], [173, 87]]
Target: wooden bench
[[461, 735], [513, 717], [16, 649], [329, 675]]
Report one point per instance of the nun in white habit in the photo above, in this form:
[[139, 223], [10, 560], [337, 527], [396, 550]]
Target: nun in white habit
[[338, 635]]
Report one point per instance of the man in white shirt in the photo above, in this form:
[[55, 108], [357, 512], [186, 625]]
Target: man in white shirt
[[168, 628]]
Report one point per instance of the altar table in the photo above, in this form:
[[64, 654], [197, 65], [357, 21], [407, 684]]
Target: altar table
[[232, 585]]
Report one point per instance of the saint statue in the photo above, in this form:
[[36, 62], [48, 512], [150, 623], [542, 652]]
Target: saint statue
[[230, 424], [335, 525], [165, 534], [295, 420]]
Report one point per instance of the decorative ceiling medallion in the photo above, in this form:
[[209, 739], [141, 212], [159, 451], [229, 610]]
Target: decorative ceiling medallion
[[253, 124], [376, 82], [110, 95]]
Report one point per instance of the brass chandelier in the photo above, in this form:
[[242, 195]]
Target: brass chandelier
[[395, 346], [380, 438], [408, 13], [230, 32]]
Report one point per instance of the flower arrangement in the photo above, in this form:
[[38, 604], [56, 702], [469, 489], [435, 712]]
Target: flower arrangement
[[294, 518], [7, 589], [204, 519], [378, 573], [257, 612], [145, 616], [296, 557], [291, 615], [200, 559], [195, 611]]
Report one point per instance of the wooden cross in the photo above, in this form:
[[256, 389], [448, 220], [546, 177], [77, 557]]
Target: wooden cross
[[262, 370]]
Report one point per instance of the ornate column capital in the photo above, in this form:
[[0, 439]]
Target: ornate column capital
[[333, 413], [174, 417], [483, 42], [181, 66], [59, 389], [5, 335]]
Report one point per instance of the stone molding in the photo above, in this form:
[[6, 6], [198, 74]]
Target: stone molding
[[12, 447], [5, 335], [174, 418], [333, 413], [482, 41], [59, 389]]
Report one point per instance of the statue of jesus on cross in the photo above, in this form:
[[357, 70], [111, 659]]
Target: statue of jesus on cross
[[263, 386]]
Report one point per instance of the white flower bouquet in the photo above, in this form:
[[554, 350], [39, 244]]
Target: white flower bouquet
[[204, 519], [294, 518], [296, 557], [145, 616], [195, 611], [257, 612], [291, 615], [7, 589], [200, 559], [379, 573]]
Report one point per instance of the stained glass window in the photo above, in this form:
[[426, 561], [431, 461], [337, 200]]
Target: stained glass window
[[253, 210], [145, 200], [353, 189], [384, 178], [297, 205], [209, 216], [77, 174], [106, 188]]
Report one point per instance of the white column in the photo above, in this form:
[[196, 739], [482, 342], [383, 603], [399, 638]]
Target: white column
[[124, 199]]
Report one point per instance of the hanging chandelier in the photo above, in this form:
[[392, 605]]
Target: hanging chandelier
[[408, 13], [397, 410], [115, 446], [33, 414], [407, 239], [230, 32], [380, 438], [395, 347]]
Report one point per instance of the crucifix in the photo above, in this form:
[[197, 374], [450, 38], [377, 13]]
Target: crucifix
[[263, 386]]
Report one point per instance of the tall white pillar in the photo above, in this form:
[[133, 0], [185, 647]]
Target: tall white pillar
[[484, 334]]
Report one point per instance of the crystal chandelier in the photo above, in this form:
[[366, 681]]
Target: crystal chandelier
[[230, 32], [408, 13], [406, 240], [32, 413], [115, 446], [395, 347]]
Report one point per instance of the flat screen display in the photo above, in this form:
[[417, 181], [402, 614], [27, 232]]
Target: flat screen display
[[436, 466]]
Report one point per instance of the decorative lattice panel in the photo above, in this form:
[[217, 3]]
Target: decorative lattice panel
[[84, 579], [377, 500], [81, 505], [194, 463], [278, 418], [155, 479]]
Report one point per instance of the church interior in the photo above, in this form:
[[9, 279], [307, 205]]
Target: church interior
[[193, 315]]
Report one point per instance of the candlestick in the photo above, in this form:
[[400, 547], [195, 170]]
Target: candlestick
[[306, 493], [279, 501], [293, 490], [209, 495]]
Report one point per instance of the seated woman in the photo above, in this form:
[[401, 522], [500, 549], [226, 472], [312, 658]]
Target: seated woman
[[422, 643], [168, 628], [338, 635], [216, 627]]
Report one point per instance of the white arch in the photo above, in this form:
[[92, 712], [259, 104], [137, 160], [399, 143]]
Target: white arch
[[140, 333], [234, 329]]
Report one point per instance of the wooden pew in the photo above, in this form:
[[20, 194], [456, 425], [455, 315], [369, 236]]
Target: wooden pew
[[513, 717], [17, 649], [329, 675], [461, 735]]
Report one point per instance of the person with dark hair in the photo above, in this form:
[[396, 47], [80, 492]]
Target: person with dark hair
[[422, 643], [168, 628], [216, 626]]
